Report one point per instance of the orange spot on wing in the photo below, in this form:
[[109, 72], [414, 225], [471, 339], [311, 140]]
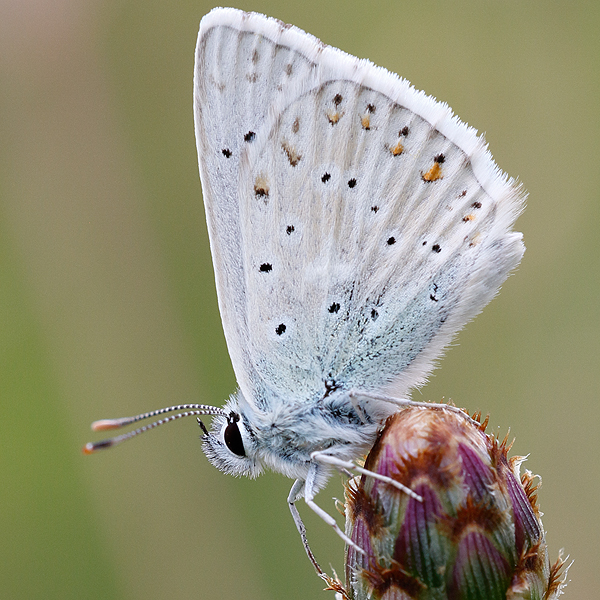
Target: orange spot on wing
[[334, 117], [261, 187], [366, 122], [434, 173], [397, 150], [291, 154], [468, 218]]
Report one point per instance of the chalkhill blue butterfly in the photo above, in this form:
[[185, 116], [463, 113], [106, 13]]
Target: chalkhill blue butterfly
[[355, 226]]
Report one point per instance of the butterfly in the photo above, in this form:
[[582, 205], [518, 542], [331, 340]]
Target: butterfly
[[355, 226]]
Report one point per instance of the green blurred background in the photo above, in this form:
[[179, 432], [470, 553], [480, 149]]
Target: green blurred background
[[108, 303]]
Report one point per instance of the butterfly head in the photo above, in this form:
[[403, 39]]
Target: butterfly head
[[230, 444]]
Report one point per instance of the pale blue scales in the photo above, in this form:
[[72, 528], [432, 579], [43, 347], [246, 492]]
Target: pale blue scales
[[342, 251], [304, 129]]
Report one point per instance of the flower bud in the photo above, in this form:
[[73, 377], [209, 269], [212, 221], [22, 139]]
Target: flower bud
[[476, 534]]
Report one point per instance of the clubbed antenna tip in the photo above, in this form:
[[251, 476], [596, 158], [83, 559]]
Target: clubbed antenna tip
[[110, 424]]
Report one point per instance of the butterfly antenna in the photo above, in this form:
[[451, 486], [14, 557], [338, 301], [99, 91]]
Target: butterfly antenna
[[108, 424]]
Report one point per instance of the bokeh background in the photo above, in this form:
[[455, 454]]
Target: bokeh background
[[108, 305]]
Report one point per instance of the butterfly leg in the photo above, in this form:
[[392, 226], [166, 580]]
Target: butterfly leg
[[309, 495], [359, 411], [295, 493], [404, 402], [324, 458]]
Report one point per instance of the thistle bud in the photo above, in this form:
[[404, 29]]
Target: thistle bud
[[476, 534]]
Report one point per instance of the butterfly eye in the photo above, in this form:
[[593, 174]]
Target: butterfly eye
[[232, 435]]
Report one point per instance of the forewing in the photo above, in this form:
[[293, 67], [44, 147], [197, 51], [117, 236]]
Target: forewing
[[238, 75], [361, 228]]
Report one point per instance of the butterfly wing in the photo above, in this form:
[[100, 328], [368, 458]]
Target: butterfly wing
[[358, 228], [238, 76]]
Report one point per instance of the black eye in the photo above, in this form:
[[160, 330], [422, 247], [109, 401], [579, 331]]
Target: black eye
[[232, 435]]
